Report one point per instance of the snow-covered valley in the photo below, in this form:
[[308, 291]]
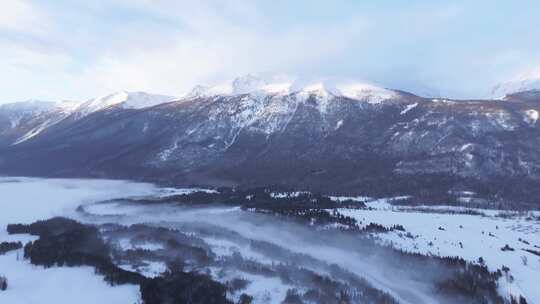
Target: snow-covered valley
[[270, 258]]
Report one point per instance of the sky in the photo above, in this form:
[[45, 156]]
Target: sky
[[78, 49]]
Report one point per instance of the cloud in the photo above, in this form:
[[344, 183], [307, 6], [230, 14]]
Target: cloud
[[80, 49], [207, 47], [26, 72], [22, 16], [157, 46], [30, 63]]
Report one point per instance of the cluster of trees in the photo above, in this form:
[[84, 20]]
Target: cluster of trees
[[515, 192], [535, 252], [507, 248], [312, 216], [256, 198], [72, 245], [423, 189], [305, 207], [176, 286], [245, 299], [172, 245], [518, 300], [268, 198], [471, 281], [9, 246], [317, 215], [375, 227], [67, 242], [53, 226], [474, 282], [452, 276]]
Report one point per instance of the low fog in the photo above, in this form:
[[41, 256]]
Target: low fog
[[321, 248]]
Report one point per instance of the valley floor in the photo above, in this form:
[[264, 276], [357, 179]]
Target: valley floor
[[239, 241], [499, 238]]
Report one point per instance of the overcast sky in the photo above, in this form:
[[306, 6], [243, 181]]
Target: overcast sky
[[77, 49]]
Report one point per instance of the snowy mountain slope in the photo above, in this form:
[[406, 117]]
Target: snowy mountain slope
[[308, 136], [366, 92], [17, 111], [525, 82], [123, 99], [21, 121]]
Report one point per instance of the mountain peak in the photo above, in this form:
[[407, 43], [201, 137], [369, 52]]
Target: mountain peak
[[355, 90], [125, 99], [318, 88], [528, 81], [247, 84], [139, 100], [250, 84], [365, 91]]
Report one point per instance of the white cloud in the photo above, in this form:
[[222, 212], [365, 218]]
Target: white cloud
[[211, 49], [178, 46], [80, 49], [21, 15]]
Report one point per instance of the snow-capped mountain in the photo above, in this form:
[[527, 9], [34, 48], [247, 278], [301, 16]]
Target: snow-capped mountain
[[525, 82], [20, 121], [248, 84], [256, 86], [123, 99], [18, 110], [368, 92], [331, 136]]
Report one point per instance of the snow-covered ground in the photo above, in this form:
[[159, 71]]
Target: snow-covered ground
[[268, 290], [443, 231], [29, 284], [223, 247], [151, 269], [435, 231], [24, 200]]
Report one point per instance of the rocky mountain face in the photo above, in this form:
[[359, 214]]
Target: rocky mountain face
[[352, 138]]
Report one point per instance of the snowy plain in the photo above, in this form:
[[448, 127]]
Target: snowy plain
[[24, 200], [465, 232]]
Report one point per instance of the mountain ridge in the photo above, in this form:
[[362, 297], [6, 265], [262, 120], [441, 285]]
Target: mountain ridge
[[309, 139]]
